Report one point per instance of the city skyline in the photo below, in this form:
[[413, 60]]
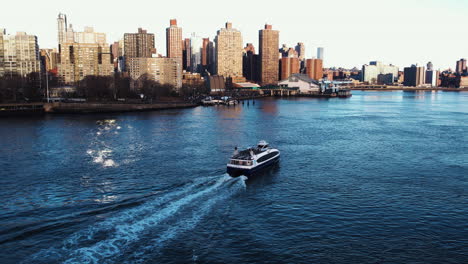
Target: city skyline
[[352, 33]]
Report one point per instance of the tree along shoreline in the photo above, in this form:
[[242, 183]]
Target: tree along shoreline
[[35, 88]]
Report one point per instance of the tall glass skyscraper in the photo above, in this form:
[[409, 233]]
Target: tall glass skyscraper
[[320, 53], [196, 44]]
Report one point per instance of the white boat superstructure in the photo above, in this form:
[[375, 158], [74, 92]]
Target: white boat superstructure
[[252, 160]]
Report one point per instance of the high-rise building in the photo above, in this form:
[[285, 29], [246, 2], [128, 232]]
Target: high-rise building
[[83, 59], [414, 76], [432, 78], [207, 56], [2, 52], [196, 46], [287, 52], [139, 45], [174, 40], [461, 66], [49, 59], [205, 52], [62, 28], [320, 53], [19, 54], [82, 53], [379, 73], [229, 51], [67, 35], [300, 49], [269, 63], [162, 70], [289, 66], [251, 64], [430, 66], [186, 54], [314, 69]]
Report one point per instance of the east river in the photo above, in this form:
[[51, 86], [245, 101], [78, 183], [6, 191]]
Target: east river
[[381, 177]]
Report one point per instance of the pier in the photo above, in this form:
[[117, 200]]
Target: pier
[[21, 109]]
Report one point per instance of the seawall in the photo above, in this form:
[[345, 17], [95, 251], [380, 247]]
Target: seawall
[[88, 108]]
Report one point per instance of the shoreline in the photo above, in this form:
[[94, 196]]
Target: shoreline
[[407, 89], [37, 109], [95, 108]]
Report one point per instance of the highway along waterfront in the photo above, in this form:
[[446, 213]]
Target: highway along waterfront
[[381, 177]]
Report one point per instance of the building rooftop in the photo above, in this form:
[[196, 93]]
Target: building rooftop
[[302, 77]]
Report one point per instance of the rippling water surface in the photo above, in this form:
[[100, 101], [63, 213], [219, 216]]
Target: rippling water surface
[[381, 177]]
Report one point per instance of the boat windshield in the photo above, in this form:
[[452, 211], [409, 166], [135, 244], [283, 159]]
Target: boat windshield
[[262, 144]]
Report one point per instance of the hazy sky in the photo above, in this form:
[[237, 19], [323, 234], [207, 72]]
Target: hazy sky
[[353, 32]]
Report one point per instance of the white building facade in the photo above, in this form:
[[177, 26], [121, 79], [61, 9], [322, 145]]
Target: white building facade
[[302, 82], [379, 73]]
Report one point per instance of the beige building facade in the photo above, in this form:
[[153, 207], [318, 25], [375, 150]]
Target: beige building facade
[[229, 52], [82, 53], [19, 54], [139, 45], [162, 70], [79, 60]]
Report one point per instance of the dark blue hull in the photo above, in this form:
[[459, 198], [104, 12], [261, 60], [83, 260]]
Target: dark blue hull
[[236, 172]]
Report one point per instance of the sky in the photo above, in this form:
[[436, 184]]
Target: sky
[[353, 33]]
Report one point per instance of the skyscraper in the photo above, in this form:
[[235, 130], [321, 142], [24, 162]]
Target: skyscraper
[[229, 51], [82, 53], [139, 45], [269, 55], [186, 54], [2, 52], [62, 28], [207, 55], [300, 49], [432, 77], [251, 63], [320, 53], [19, 54], [174, 40], [414, 76], [461, 66], [314, 69], [211, 57], [430, 66], [196, 46]]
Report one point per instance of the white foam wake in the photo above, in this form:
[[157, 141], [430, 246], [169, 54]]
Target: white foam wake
[[186, 224], [107, 240]]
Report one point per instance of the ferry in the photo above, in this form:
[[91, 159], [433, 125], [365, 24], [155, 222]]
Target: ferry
[[252, 160]]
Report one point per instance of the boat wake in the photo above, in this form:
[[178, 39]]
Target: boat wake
[[146, 227]]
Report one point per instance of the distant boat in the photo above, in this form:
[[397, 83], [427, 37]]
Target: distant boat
[[210, 101], [253, 160]]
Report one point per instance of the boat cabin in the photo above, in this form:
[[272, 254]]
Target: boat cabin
[[262, 145]]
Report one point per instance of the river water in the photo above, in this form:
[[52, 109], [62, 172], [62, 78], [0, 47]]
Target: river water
[[381, 177]]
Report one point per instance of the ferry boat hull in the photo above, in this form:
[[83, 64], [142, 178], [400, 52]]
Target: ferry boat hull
[[237, 172]]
